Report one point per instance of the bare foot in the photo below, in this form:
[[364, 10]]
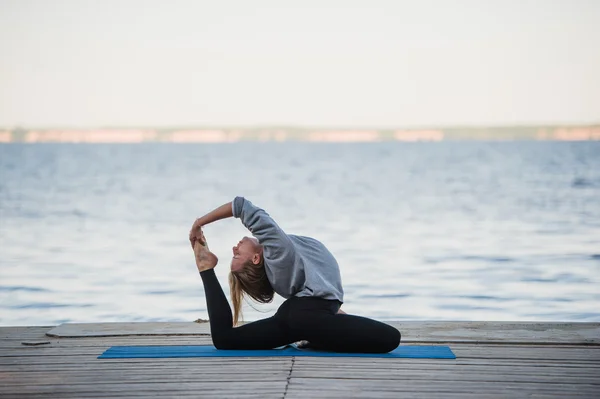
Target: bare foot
[[205, 259], [304, 344]]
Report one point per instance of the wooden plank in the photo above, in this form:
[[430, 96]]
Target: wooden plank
[[149, 394], [86, 359], [240, 374], [205, 340], [502, 388], [297, 394], [146, 394], [30, 371], [576, 353], [412, 331], [367, 394], [532, 368], [446, 394], [12, 382], [16, 330], [110, 341], [501, 332], [450, 376], [205, 370], [501, 368], [172, 388], [73, 330]]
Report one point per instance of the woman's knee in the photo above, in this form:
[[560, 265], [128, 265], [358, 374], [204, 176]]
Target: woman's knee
[[378, 336], [391, 339], [386, 340]]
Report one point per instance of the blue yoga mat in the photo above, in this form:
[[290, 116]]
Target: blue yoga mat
[[403, 351]]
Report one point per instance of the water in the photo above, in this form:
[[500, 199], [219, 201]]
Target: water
[[438, 231]]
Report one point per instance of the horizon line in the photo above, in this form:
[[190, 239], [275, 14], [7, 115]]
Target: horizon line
[[303, 126]]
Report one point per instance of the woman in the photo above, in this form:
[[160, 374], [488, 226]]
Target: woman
[[298, 268]]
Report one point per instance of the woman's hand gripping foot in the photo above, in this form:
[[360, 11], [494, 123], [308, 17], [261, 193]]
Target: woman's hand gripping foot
[[205, 259]]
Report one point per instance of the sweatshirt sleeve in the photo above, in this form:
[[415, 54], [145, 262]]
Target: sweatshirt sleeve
[[277, 245]]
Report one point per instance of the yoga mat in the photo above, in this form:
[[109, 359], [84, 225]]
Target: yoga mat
[[403, 351]]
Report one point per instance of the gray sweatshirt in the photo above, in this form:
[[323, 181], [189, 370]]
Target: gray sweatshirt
[[295, 265]]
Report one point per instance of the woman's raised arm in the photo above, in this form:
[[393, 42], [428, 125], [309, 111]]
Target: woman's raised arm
[[222, 212], [276, 242], [255, 219]]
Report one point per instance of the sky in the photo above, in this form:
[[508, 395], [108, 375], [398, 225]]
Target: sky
[[375, 63]]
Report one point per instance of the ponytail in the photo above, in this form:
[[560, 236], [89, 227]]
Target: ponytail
[[250, 280]]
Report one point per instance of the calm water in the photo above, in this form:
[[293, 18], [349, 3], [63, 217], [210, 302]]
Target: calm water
[[461, 231]]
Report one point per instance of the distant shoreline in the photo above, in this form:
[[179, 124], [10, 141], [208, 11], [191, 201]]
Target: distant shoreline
[[299, 134]]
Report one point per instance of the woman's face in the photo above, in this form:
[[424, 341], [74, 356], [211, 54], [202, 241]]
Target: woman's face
[[248, 249]]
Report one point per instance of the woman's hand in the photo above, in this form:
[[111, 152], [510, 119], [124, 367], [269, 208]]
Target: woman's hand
[[222, 212], [197, 236], [196, 230]]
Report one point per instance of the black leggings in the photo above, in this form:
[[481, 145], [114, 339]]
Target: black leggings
[[298, 318]]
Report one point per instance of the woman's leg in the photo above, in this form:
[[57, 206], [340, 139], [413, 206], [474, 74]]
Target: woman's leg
[[315, 320], [263, 334]]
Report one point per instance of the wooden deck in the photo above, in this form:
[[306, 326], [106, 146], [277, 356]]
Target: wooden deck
[[494, 360]]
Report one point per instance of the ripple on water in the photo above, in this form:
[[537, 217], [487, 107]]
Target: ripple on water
[[13, 288], [571, 278], [580, 182], [469, 258], [160, 292], [538, 280], [485, 298], [455, 306], [49, 305], [385, 296]]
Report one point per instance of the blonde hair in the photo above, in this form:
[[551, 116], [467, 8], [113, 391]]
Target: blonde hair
[[250, 280]]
